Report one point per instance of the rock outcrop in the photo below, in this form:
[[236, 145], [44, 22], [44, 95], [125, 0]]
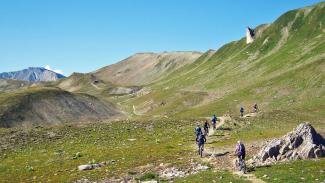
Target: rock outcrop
[[302, 143], [250, 34]]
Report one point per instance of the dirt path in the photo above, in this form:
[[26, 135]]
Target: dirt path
[[134, 111], [95, 86], [219, 124], [224, 160], [249, 115]]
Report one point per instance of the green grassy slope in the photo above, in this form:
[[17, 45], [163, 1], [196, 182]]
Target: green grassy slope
[[46, 154], [282, 69]]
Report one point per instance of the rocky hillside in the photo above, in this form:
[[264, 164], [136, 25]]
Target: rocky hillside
[[33, 74], [40, 106], [80, 82], [145, 68]]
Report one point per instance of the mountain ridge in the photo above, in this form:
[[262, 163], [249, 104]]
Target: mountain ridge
[[144, 68], [33, 74]]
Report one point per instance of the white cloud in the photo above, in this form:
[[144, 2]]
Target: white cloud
[[54, 70]]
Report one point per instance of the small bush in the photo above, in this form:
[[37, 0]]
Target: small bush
[[29, 168], [148, 176], [132, 173], [76, 156]]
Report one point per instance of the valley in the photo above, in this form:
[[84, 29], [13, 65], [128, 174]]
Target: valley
[[134, 121]]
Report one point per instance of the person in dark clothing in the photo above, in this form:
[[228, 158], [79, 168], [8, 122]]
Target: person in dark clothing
[[241, 153], [201, 140], [240, 150], [206, 127], [198, 130], [255, 107], [214, 121], [241, 111]]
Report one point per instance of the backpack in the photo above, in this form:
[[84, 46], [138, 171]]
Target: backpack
[[214, 119], [201, 139], [198, 130], [242, 149], [206, 125]]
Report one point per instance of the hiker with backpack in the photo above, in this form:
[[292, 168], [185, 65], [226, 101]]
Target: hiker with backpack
[[201, 140], [206, 128], [240, 152], [198, 131], [214, 121], [255, 108], [241, 111]]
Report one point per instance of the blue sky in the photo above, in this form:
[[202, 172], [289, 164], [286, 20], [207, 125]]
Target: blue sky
[[84, 35]]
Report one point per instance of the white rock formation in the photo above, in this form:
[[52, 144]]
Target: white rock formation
[[249, 35]]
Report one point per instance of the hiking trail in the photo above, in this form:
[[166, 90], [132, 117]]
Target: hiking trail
[[219, 124], [224, 158], [98, 88], [249, 115], [134, 111]]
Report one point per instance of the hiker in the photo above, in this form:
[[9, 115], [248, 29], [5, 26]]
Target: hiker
[[241, 111], [214, 121], [198, 131], [240, 152], [206, 127], [201, 140], [255, 107]]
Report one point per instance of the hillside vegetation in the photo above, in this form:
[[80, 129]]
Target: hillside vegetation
[[283, 69], [12, 85], [160, 98]]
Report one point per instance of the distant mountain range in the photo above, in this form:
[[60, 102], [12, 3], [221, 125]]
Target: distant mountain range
[[33, 74]]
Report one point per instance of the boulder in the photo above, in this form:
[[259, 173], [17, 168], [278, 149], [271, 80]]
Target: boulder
[[91, 166], [302, 143], [319, 152], [85, 167]]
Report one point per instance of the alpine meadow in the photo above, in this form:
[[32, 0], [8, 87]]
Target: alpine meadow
[[251, 111]]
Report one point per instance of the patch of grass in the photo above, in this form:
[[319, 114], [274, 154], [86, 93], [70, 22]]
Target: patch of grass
[[148, 176], [295, 171], [53, 154]]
